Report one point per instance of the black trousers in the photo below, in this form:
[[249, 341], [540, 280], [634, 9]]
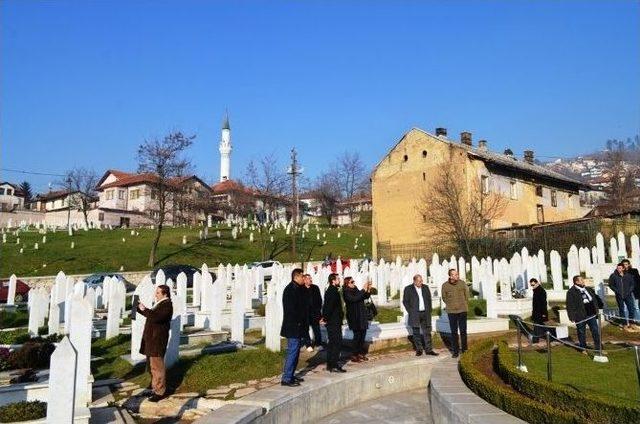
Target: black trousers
[[358, 341], [424, 325], [334, 334], [458, 321]]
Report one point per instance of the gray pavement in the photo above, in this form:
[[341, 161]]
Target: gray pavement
[[401, 408]]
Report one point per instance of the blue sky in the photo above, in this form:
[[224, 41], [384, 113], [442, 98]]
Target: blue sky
[[84, 82]]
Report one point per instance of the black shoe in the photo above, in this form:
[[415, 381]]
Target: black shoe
[[156, 398], [418, 353], [298, 379], [337, 369], [455, 355], [290, 383], [432, 353]]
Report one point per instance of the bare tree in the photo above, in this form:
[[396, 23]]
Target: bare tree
[[459, 213], [82, 186], [268, 180], [621, 192], [327, 192], [350, 179], [163, 159]]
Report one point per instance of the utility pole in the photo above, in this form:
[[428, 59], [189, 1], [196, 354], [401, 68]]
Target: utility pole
[[294, 171]]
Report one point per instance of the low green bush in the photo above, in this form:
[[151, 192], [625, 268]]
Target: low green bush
[[503, 397], [23, 411], [18, 336], [591, 407]]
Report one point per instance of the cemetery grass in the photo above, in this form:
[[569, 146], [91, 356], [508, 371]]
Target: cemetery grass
[[614, 379], [104, 250]]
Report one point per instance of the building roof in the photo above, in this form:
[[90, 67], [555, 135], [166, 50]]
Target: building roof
[[228, 186], [505, 162], [52, 195], [125, 179]]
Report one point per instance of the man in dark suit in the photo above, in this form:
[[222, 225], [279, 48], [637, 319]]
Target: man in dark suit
[[295, 322], [332, 316], [636, 279], [582, 308], [315, 310], [155, 338], [417, 301]]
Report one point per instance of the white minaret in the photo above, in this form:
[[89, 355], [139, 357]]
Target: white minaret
[[225, 150]]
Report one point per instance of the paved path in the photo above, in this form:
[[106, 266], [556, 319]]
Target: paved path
[[400, 408]]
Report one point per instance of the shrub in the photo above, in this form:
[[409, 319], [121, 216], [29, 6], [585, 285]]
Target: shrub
[[35, 353], [14, 336], [503, 397], [590, 406], [4, 359], [23, 411]]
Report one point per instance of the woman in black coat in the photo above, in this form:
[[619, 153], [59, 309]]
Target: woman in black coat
[[357, 316], [539, 315]]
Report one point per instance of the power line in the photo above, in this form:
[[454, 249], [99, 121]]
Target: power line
[[19, 171]]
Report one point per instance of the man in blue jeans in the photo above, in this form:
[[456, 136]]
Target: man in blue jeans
[[295, 322], [582, 308], [622, 283]]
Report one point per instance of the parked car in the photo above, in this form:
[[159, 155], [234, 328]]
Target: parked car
[[96, 280], [172, 271], [22, 291], [268, 267]]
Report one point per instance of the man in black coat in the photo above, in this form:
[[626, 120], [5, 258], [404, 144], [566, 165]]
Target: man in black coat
[[315, 311], [417, 301], [539, 313], [582, 308], [295, 323], [332, 316], [635, 276], [155, 338], [357, 315]]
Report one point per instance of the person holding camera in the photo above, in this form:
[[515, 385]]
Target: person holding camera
[[155, 338], [357, 315]]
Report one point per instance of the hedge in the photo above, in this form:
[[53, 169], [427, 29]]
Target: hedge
[[505, 398], [23, 411], [589, 406]]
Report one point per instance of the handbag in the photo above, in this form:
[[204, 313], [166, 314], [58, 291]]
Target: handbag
[[372, 311]]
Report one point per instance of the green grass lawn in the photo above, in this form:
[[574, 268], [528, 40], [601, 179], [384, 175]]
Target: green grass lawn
[[617, 378], [104, 250]]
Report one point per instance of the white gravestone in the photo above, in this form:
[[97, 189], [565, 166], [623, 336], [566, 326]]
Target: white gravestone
[[145, 293], [80, 336], [12, 290], [62, 383]]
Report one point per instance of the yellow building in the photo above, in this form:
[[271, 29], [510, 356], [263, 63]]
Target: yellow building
[[402, 180]]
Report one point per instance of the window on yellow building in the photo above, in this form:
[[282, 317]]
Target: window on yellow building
[[406, 158], [539, 190], [484, 184], [514, 190], [554, 198], [570, 201], [540, 213], [424, 176], [424, 153]]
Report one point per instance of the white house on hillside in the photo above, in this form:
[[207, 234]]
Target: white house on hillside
[[11, 197]]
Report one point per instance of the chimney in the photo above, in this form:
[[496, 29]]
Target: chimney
[[465, 138], [482, 145], [528, 156], [508, 152], [441, 132]]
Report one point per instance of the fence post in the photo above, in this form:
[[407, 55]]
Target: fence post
[[637, 351], [521, 367], [548, 356]]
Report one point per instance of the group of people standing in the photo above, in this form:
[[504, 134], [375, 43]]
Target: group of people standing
[[583, 304], [303, 307]]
